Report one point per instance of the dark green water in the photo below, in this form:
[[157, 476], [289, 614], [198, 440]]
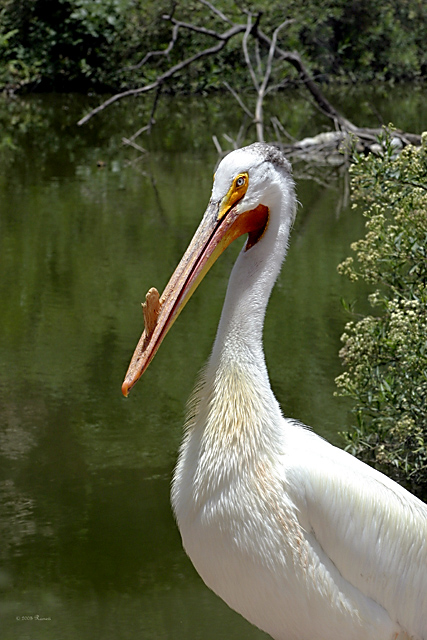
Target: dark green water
[[89, 548]]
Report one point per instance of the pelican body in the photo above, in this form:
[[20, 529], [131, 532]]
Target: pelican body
[[301, 538]]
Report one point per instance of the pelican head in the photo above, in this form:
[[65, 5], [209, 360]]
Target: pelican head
[[247, 197], [250, 177]]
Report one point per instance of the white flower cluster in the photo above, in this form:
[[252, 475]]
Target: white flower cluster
[[385, 356]]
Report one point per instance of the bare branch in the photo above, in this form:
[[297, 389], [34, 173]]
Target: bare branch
[[239, 100], [259, 117], [241, 134], [258, 57], [149, 125], [217, 145], [196, 28], [230, 140], [325, 146], [140, 131], [151, 120], [246, 52], [217, 11], [277, 125], [167, 74], [162, 52], [274, 88], [117, 96], [271, 54], [133, 144], [295, 60]]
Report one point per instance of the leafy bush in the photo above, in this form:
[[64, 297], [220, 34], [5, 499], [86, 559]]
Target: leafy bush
[[369, 39], [66, 44], [386, 354], [73, 44]]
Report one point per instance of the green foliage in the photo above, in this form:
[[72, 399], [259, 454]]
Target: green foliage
[[369, 39], [75, 44], [63, 43], [386, 354]]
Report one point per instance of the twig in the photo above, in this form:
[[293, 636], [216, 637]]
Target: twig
[[194, 27], [230, 140], [240, 134], [272, 52], [217, 145], [133, 144], [276, 87], [259, 117], [161, 52], [276, 123], [239, 100], [217, 11], [246, 52], [151, 120], [258, 57]]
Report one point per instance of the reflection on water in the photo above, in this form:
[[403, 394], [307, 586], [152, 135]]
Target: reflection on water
[[89, 546]]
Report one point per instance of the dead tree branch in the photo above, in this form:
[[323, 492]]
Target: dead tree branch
[[164, 77], [264, 84], [216, 11], [325, 145], [152, 54], [246, 52], [238, 100], [131, 141], [295, 60]]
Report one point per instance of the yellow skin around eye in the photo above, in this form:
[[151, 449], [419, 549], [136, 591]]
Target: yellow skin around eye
[[234, 194]]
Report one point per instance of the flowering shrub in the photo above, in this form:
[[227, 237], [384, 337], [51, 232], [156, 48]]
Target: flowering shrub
[[385, 354]]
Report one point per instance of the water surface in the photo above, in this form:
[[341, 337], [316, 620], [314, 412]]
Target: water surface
[[89, 545]]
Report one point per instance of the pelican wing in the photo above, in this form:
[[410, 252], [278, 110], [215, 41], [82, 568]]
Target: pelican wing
[[373, 530]]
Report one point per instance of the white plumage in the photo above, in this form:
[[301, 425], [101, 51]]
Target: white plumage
[[302, 539]]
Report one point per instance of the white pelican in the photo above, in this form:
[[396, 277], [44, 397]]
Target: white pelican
[[301, 538]]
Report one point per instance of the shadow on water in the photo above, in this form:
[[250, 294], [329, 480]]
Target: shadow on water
[[89, 545]]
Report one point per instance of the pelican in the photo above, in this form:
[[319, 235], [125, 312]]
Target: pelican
[[298, 536]]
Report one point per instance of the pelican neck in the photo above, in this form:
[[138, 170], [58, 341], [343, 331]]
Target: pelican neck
[[239, 339]]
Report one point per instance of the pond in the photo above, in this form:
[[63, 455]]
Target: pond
[[89, 546]]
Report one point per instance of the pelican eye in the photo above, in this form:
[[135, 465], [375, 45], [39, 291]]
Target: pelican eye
[[235, 193], [239, 186]]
